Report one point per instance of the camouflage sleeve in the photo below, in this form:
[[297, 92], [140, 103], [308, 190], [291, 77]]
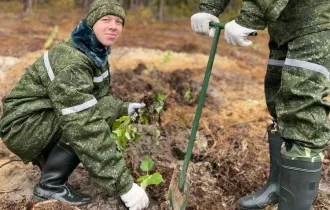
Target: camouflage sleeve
[[112, 108], [214, 7], [256, 14], [86, 130]]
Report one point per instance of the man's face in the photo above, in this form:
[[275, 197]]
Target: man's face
[[107, 29]]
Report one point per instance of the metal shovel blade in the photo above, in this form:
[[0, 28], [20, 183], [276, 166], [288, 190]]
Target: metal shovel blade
[[178, 198]]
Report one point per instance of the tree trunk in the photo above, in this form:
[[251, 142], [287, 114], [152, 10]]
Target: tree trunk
[[125, 4], [132, 5], [161, 10], [28, 4], [86, 5], [121, 2]]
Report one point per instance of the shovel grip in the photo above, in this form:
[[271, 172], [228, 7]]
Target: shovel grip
[[222, 26], [217, 25]]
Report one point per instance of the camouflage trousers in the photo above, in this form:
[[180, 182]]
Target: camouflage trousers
[[27, 137], [296, 84]]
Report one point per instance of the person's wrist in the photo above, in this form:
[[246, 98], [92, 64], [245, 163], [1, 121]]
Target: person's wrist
[[127, 189], [125, 108]]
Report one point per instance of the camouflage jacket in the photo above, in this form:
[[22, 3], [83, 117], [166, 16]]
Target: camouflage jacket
[[285, 19], [72, 81]]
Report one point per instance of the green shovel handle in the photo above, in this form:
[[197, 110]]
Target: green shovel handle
[[183, 173]]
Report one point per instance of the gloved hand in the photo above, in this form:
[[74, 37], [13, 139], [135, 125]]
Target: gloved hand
[[236, 34], [200, 23], [135, 198], [133, 106]]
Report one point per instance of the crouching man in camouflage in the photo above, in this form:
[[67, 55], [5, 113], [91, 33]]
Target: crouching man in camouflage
[[296, 82], [61, 112]]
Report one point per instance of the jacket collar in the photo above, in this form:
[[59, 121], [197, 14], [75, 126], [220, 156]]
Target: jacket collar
[[84, 39]]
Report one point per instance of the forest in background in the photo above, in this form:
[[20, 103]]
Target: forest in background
[[160, 10]]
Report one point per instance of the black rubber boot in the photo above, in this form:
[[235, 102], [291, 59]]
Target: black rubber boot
[[268, 194], [39, 161], [42, 157], [53, 182], [299, 182]]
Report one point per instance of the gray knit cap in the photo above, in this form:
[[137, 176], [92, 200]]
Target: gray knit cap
[[100, 8]]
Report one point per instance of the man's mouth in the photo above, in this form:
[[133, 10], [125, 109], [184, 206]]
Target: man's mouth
[[111, 36]]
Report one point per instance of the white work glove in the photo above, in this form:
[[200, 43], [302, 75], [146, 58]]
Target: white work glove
[[135, 198], [236, 34], [200, 23], [133, 106]]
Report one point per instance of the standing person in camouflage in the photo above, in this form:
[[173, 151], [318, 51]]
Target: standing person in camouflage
[[61, 112], [296, 82]]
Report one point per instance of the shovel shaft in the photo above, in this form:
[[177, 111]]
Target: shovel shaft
[[183, 173]]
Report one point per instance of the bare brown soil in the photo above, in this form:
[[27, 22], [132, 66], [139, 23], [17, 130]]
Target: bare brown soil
[[230, 156]]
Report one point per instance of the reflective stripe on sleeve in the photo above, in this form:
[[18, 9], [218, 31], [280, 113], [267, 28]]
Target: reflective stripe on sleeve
[[308, 65], [102, 77], [48, 67], [274, 62], [79, 107]]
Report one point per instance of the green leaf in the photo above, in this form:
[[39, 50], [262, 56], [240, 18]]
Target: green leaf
[[123, 131], [144, 119], [117, 132], [160, 97], [142, 178], [144, 184], [128, 135], [167, 57], [188, 95], [136, 137], [156, 134], [159, 109], [119, 146], [120, 133], [123, 143], [155, 178], [116, 125], [124, 118], [147, 164]]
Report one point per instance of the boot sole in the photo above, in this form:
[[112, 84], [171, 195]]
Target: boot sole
[[38, 199]]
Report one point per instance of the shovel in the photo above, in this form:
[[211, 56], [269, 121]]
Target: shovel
[[179, 187]]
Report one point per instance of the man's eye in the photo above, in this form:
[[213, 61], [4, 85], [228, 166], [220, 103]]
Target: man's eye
[[119, 22]]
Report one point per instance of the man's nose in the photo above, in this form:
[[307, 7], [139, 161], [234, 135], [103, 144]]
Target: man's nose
[[112, 25]]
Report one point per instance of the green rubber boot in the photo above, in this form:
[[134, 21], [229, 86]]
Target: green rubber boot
[[268, 194], [299, 184]]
